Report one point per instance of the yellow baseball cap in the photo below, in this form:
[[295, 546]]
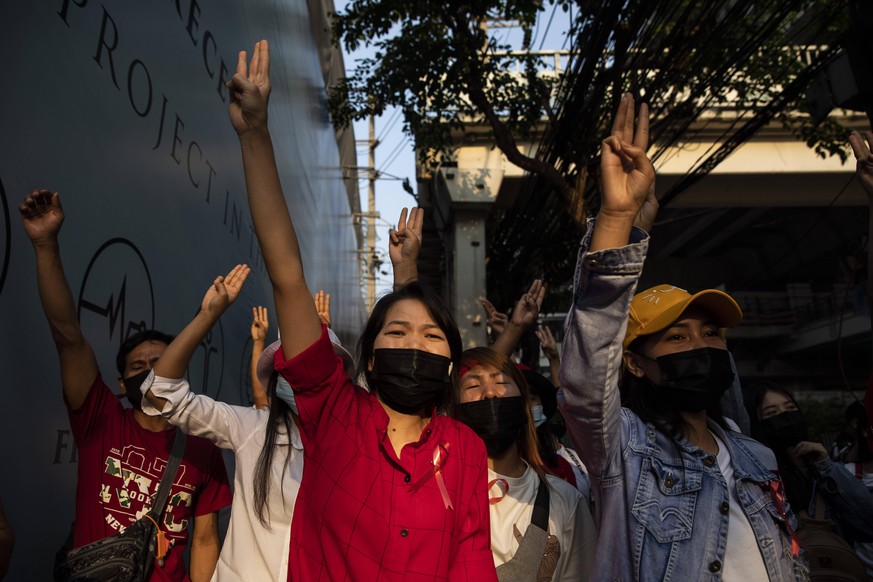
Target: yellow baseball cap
[[657, 307]]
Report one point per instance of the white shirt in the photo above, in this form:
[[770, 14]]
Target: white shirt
[[743, 561], [571, 526], [250, 551]]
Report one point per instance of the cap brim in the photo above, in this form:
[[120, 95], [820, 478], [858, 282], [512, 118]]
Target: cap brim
[[265, 361], [724, 311]]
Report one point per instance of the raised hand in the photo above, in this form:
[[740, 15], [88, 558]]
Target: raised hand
[[249, 90], [810, 452], [405, 245], [406, 238], [524, 316], [496, 320], [547, 343], [649, 212], [260, 324], [224, 291], [864, 172], [322, 306], [527, 308], [628, 175], [864, 166], [42, 215]]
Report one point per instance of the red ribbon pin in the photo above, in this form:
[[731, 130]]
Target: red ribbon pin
[[440, 456]]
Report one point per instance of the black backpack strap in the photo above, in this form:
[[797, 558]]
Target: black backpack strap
[[169, 473], [540, 517], [525, 564]]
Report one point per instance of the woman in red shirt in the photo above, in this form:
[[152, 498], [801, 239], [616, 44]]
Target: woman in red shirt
[[391, 490]]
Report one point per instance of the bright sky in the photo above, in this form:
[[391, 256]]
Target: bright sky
[[395, 156]]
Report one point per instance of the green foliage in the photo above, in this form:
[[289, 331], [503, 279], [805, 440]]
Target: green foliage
[[437, 62], [711, 73], [826, 139]]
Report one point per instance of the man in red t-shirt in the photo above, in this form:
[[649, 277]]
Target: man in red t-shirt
[[123, 452]]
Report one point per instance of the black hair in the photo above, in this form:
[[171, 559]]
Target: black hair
[[435, 307], [797, 484], [543, 389], [281, 417], [638, 395], [528, 442], [753, 397], [147, 335]]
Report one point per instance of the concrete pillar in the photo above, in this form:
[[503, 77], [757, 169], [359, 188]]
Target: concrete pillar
[[467, 272]]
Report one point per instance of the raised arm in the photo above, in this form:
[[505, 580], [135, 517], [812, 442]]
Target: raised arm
[[405, 245], [174, 361], [524, 317], [42, 216], [550, 350], [322, 307], [299, 326], [260, 325], [608, 268], [864, 172], [496, 320], [628, 179], [167, 393]]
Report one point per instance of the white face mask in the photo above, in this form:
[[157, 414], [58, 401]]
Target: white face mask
[[284, 391], [538, 415]]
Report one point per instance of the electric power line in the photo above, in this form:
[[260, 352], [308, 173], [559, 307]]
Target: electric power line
[[389, 125], [548, 26], [395, 153]]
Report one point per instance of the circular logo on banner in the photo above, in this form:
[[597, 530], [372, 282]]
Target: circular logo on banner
[[206, 369], [5, 236], [116, 299]]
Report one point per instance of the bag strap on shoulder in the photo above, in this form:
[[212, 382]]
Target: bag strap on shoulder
[[169, 473], [540, 517]]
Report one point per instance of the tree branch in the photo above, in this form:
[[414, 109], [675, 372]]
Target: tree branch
[[469, 53]]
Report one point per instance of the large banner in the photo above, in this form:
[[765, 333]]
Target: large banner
[[122, 108]]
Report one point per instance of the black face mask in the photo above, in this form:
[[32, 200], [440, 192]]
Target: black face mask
[[409, 380], [497, 421], [695, 379], [132, 386], [784, 430]]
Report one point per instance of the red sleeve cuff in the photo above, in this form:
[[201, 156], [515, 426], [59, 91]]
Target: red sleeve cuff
[[311, 367]]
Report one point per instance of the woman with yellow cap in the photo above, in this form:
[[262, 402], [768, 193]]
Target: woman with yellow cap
[[680, 495]]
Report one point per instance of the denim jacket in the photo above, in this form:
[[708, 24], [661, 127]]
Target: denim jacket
[[847, 501], [660, 509]]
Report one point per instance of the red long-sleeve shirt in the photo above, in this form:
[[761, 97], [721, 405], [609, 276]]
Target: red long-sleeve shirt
[[358, 516]]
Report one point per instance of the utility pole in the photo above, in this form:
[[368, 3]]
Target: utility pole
[[372, 215]]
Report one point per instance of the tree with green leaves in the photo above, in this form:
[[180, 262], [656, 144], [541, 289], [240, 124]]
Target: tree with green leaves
[[438, 63], [447, 70]]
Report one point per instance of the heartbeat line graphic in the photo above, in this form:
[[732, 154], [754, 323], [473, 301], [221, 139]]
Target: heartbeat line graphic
[[116, 308], [113, 308]]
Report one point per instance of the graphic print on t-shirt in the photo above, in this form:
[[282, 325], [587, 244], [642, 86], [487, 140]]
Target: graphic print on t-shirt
[[130, 486]]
